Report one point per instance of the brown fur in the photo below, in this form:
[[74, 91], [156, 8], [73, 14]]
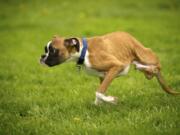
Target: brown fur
[[111, 53], [118, 47]]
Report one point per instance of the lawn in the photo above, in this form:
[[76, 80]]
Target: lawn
[[37, 100]]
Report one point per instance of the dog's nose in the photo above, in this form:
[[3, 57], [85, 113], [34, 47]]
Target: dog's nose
[[43, 56]]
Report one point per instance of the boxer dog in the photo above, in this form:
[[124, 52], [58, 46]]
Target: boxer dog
[[107, 56]]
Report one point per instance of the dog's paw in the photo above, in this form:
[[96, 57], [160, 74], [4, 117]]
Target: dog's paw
[[98, 101], [110, 99], [113, 100]]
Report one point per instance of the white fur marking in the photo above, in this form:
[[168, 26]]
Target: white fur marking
[[125, 71], [98, 101], [102, 97], [140, 66], [47, 54], [94, 72], [88, 67]]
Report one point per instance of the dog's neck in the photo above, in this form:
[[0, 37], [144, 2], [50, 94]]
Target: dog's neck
[[83, 52]]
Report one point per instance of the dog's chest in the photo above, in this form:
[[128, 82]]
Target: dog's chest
[[91, 71]]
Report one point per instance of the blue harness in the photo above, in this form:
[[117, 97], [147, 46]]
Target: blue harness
[[83, 52]]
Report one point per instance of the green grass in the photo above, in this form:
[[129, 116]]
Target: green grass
[[36, 100]]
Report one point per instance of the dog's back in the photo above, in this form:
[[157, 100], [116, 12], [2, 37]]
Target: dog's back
[[129, 48]]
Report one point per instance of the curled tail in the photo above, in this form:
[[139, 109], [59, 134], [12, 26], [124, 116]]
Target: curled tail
[[164, 86]]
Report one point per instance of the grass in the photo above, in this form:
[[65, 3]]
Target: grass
[[35, 100]]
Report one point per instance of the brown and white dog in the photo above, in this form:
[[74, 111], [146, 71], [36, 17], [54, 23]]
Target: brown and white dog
[[108, 57]]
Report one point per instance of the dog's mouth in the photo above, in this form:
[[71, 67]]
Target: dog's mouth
[[48, 63], [41, 61]]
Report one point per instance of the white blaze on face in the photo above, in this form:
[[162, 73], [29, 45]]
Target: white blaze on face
[[47, 53]]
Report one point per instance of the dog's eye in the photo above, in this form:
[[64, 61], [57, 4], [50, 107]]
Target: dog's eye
[[51, 49], [56, 52]]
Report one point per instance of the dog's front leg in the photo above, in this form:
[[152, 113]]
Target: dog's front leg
[[105, 82], [101, 79], [97, 100]]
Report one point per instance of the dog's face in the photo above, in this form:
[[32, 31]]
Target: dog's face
[[58, 50]]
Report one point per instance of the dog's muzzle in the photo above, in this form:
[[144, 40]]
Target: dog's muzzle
[[42, 59]]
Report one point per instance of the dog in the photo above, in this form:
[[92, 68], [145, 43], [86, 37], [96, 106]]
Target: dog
[[107, 57]]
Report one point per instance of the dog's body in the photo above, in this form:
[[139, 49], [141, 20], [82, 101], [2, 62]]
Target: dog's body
[[107, 57], [117, 49]]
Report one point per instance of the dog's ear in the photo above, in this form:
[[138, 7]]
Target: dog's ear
[[72, 42]]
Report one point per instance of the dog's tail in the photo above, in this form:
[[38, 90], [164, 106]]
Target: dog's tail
[[164, 86]]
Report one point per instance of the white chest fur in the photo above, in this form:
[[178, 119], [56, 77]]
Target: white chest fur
[[94, 72]]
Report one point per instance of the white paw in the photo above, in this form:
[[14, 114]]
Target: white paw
[[112, 100], [98, 101], [101, 97]]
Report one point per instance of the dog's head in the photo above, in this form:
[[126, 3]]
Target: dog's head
[[58, 50]]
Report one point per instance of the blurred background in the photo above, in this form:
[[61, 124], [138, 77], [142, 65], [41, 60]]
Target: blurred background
[[38, 100]]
